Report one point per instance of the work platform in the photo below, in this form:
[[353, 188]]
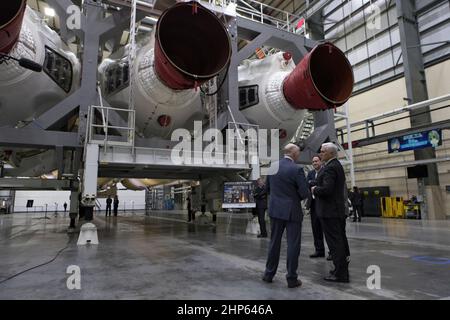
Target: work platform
[[121, 162]]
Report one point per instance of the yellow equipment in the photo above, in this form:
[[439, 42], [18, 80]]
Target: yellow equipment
[[392, 207]]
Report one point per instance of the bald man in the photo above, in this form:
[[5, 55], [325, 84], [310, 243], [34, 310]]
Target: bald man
[[286, 188]]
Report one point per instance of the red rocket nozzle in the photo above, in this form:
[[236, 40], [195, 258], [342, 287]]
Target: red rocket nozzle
[[190, 48], [322, 80], [11, 17]]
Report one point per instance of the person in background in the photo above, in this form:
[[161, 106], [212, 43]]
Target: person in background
[[191, 213], [330, 205], [260, 195], [108, 206], [287, 188], [356, 199], [65, 207], [311, 203], [116, 205]]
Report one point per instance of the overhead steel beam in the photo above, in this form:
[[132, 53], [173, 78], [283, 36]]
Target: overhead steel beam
[[425, 5], [35, 138], [34, 184], [280, 39], [142, 6]]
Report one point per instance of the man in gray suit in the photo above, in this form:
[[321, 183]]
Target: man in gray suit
[[286, 188]]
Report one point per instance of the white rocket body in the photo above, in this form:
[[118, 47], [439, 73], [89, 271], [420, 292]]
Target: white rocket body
[[24, 94]]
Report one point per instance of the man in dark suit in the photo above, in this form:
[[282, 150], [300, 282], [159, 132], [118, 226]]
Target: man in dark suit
[[260, 195], [315, 221], [356, 200], [108, 206], [330, 208], [116, 205], [286, 188]]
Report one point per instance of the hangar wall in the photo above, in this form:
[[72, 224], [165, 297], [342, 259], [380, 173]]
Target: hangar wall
[[385, 98]]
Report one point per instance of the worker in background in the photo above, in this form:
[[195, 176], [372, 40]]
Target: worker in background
[[356, 199], [116, 205], [260, 195], [108, 206], [191, 213]]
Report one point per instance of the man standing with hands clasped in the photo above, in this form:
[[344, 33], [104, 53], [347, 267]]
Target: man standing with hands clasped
[[330, 208], [311, 178], [286, 188]]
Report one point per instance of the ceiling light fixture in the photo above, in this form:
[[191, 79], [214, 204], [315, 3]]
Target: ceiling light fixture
[[50, 12]]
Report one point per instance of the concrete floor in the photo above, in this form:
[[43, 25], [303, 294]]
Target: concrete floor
[[163, 257]]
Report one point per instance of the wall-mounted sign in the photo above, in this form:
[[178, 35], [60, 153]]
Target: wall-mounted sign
[[238, 195], [419, 140]]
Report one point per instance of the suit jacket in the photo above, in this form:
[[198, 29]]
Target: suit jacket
[[329, 193], [260, 195], [311, 180], [287, 188]]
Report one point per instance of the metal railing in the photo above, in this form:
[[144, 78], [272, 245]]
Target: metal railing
[[163, 157], [305, 128], [260, 12], [96, 129]]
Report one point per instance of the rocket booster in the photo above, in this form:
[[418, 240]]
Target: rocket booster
[[188, 47], [25, 94], [274, 93]]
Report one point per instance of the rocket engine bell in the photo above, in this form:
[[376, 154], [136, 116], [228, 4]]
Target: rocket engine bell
[[188, 46], [25, 94], [11, 18]]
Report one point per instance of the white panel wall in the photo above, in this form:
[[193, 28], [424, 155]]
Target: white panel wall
[[55, 199], [41, 198]]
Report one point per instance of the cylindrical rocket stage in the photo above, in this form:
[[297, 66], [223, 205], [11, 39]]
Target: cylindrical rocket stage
[[322, 80], [191, 46], [11, 17]]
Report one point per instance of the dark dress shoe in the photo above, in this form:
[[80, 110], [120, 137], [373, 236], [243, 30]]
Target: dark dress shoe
[[333, 272], [262, 236], [317, 255], [333, 278], [329, 258], [267, 279], [294, 284]]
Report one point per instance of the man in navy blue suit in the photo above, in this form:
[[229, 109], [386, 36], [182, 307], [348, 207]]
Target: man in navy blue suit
[[287, 188]]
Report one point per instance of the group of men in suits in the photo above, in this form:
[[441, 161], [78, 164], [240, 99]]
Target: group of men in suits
[[325, 189]]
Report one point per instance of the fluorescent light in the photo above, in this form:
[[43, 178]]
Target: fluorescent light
[[49, 12]]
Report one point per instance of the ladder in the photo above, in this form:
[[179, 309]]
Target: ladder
[[305, 128]]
